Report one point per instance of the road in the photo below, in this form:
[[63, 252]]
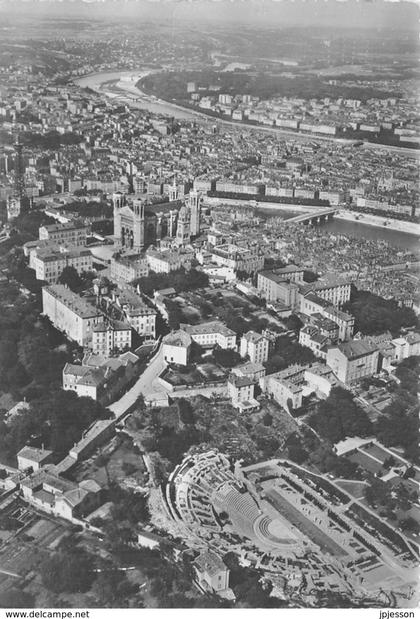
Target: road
[[142, 386]]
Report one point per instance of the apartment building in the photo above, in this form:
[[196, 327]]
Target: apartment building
[[407, 346], [354, 360], [211, 573], [176, 347], [241, 391], [59, 497], [210, 334], [49, 264], [124, 269], [254, 371], [255, 346], [311, 303], [334, 291], [238, 258], [33, 458], [281, 285], [69, 313], [311, 337], [72, 232], [167, 261], [100, 378], [110, 336], [140, 316], [318, 333], [289, 386]]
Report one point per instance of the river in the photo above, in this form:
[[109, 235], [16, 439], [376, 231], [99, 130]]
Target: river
[[102, 82], [105, 83], [357, 229]]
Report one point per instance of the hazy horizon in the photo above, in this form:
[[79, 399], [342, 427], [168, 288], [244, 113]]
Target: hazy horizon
[[381, 14]]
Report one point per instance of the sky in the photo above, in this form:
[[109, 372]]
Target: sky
[[333, 13]]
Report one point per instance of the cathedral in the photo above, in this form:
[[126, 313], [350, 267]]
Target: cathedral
[[139, 224]]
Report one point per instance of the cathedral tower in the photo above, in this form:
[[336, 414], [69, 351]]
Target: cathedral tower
[[173, 192], [183, 235], [117, 203], [194, 199], [138, 225]]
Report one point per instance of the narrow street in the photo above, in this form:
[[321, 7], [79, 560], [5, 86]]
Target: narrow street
[[141, 387]]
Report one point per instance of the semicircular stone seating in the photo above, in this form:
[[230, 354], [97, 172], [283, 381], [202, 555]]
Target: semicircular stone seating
[[273, 532]]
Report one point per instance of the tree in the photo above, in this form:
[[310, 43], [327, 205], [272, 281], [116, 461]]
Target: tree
[[69, 571], [403, 497], [181, 280], [399, 427], [56, 418], [267, 419], [112, 587], [374, 315], [226, 357], [287, 352], [128, 505], [410, 525], [339, 416], [175, 315], [377, 492], [185, 411], [70, 277], [16, 598], [297, 453]]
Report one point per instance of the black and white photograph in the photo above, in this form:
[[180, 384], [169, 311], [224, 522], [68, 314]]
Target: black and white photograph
[[209, 308]]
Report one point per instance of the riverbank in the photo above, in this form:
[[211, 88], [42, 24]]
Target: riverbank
[[377, 221], [140, 99], [121, 86]]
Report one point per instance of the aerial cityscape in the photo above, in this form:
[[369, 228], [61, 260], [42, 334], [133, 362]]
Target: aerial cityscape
[[210, 305]]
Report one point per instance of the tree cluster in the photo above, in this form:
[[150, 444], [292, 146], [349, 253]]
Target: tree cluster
[[74, 570], [338, 417], [69, 571], [226, 357], [57, 420], [249, 589], [51, 140], [181, 280], [399, 422], [92, 208], [287, 352], [128, 509], [30, 221], [380, 494], [239, 317], [307, 448], [374, 315], [399, 427], [32, 353], [71, 278]]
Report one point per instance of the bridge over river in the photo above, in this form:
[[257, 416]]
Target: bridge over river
[[316, 217]]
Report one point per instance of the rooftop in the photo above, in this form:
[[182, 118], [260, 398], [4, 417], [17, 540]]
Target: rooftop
[[71, 300], [76, 224], [240, 381], [249, 368], [357, 348], [177, 338], [214, 326], [210, 562], [34, 454], [114, 325], [253, 336], [48, 255]]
